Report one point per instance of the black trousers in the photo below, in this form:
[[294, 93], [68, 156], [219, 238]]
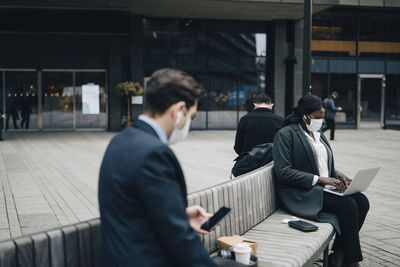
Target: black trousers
[[25, 120], [351, 212], [330, 124]]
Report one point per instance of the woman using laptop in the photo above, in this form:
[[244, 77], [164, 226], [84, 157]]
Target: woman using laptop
[[304, 164]]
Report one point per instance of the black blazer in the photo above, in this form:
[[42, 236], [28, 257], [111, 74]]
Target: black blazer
[[142, 199], [256, 128], [294, 167]]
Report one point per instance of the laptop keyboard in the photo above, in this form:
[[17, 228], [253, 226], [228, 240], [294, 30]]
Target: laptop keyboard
[[337, 190]]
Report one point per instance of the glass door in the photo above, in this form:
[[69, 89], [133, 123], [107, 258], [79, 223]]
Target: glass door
[[21, 99], [371, 98], [57, 100]]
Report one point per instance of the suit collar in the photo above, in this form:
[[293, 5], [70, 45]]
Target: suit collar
[[145, 127]]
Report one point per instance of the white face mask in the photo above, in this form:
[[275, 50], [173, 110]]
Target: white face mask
[[179, 134], [315, 124]]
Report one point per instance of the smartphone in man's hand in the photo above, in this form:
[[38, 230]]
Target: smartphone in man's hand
[[211, 223]]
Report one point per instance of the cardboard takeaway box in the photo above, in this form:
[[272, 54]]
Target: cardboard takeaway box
[[230, 241]]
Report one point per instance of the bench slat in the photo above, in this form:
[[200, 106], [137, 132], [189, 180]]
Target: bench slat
[[85, 253], [24, 251], [56, 248], [216, 205], [41, 248], [71, 246], [232, 216], [203, 203], [227, 221], [210, 208], [95, 233], [8, 254]]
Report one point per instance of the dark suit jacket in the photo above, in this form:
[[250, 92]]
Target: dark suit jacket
[[294, 167], [1, 118], [256, 128], [142, 198], [330, 108]]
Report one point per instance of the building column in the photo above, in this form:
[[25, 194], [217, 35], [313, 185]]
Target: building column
[[114, 77], [137, 49], [276, 69], [298, 68]]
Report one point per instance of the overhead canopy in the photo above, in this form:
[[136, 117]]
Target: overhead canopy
[[222, 9], [206, 9]]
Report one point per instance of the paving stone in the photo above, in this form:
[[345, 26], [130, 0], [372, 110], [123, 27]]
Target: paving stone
[[46, 219]]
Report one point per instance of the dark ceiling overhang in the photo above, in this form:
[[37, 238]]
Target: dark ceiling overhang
[[205, 9]]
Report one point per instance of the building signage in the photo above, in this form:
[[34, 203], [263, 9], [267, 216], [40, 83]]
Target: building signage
[[90, 99]]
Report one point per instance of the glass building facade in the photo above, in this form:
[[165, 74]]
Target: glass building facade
[[349, 47], [228, 61], [44, 67]]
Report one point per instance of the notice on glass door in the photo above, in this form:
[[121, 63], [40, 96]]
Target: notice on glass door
[[90, 99]]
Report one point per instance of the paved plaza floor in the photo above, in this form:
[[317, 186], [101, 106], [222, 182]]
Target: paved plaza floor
[[50, 179]]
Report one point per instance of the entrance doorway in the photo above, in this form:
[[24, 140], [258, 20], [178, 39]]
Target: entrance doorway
[[53, 99], [371, 100]]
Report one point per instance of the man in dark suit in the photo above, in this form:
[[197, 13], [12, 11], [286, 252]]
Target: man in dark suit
[[331, 109], [2, 117], [257, 127], [145, 220]]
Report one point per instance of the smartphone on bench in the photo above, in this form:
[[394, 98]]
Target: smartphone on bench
[[303, 226], [211, 223]]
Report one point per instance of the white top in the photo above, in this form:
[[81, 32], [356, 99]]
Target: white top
[[322, 155]]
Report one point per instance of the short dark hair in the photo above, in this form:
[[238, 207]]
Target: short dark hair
[[335, 94], [262, 98], [169, 86]]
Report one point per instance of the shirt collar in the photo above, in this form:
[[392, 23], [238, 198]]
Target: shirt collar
[[160, 132], [262, 109]]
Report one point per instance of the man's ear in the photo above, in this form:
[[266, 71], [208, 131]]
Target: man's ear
[[177, 107]]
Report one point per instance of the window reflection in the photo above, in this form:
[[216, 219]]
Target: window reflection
[[335, 33], [21, 100], [231, 65]]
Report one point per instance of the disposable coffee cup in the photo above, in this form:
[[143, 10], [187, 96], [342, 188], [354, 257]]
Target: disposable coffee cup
[[242, 253]]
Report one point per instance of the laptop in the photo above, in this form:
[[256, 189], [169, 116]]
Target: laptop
[[360, 183]]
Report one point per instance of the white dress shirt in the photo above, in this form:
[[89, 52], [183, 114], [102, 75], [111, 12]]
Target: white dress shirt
[[322, 154]]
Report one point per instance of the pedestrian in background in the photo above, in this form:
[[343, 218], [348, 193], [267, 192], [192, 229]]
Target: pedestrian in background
[[257, 127], [330, 113], [2, 117]]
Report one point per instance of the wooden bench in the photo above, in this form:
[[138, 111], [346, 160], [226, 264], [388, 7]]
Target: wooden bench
[[254, 215]]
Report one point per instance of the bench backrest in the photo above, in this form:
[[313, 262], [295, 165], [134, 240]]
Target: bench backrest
[[69, 246], [251, 198]]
